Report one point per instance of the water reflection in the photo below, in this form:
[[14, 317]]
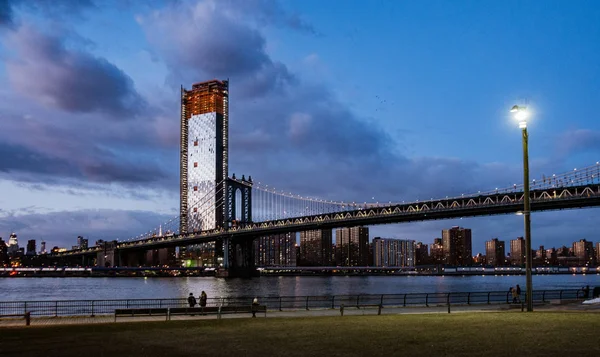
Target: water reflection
[[140, 288]]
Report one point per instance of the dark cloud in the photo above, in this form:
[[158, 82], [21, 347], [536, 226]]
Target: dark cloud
[[56, 9], [6, 13], [20, 163], [213, 42], [74, 81]]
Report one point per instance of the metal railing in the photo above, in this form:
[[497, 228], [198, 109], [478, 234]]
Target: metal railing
[[106, 307]]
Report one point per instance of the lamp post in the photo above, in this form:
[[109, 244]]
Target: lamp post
[[520, 113]]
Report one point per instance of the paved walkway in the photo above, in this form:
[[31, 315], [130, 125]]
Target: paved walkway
[[349, 311]]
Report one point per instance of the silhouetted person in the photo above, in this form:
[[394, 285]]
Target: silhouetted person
[[192, 300], [203, 299], [254, 306], [518, 293], [586, 292]]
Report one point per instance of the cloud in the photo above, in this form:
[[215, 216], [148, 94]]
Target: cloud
[[6, 13], [71, 80], [57, 9], [577, 141], [24, 164], [212, 41], [62, 228]]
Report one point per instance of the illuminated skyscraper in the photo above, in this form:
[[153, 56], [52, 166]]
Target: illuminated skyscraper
[[584, 251], [388, 252], [315, 247], [275, 250], [352, 246], [203, 155], [13, 244]]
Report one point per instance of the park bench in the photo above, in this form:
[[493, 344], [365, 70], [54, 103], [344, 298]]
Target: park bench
[[364, 306], [208, 310], [141, 312], [241, 309], [26, 316]]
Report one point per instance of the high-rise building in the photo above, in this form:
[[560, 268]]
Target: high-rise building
[[13, 244], [584, 251], [353, 246], [275, 250], [43, 248], [517, 251], [494, 252], [160, 257], [437, 251], [457, 246], [389, 252], [421, 254], [31, 247], [315, 247], [82, 243], [204, 154], [201, 255], [598, 252], [3, 252]]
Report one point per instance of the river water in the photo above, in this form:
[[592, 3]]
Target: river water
[[19, 289]]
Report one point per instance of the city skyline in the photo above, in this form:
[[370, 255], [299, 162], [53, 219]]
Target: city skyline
[[107, 167], [509, 244]]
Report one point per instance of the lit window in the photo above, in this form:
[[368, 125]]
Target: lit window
[[195, 188], [195, 209], [196, 143], [195, 164]]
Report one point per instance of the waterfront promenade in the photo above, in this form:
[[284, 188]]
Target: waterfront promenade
[[574, 306]]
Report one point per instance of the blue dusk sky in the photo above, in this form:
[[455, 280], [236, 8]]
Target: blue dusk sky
[[341, 100]]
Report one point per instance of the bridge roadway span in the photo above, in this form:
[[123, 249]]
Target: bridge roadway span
[[471, 206]]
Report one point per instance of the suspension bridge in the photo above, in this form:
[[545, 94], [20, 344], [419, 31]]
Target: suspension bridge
[[271, 211]]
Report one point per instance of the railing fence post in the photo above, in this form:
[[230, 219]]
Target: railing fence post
[[307, 303], [448, 301], [544, 296], [341, 309], [333, 302], [404, 300], [427, 300], [358, 301], [280, 304], [27, 318], [25, 308], [92, 308], [560, 295], [468, 298], [381, 302], [56, 309]]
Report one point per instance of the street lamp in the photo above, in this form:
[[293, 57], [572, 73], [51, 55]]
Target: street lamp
[[520, 113]]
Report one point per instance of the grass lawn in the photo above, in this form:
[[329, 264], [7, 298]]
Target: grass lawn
[[466, 334]]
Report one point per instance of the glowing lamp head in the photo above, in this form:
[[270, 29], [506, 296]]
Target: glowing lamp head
[[520, 114]]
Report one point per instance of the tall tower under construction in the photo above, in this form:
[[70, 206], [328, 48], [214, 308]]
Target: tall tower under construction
[[204, 150]]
